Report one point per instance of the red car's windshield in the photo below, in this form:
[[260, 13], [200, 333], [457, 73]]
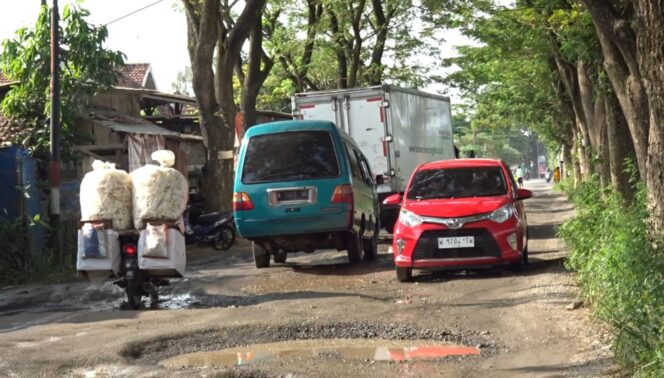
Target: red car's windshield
[[458, 182]]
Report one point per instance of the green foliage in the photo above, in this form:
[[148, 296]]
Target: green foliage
[[12, 256], [413, 31], [508, 79], [18, 266], [620, 272], [510, 144], [86, 68]]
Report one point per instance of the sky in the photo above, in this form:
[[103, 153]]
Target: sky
[[156, 35]]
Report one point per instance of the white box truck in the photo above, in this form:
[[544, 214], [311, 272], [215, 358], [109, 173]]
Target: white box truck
[[397, 129]]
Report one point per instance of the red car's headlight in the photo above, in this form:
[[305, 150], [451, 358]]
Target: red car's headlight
[[503, 214], [409, 219]]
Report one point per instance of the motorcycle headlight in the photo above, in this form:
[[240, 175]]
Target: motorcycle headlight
[[502, 214], [409, 219]]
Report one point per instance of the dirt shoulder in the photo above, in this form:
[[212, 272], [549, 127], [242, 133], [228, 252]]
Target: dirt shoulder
[[520, 323]]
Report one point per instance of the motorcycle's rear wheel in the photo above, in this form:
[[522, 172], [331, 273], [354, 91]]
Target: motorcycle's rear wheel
[[224, 239]]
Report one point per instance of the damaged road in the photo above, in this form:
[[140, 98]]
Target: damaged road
[[317, 315]]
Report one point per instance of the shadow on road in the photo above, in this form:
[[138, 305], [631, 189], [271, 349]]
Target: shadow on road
[[339, 266], [597, 365], [542, 231]]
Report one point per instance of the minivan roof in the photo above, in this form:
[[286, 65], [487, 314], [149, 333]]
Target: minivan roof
[[281, 126]]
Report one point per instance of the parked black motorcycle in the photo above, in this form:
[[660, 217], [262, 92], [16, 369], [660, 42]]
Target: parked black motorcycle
[[215, 229], [208, 228]]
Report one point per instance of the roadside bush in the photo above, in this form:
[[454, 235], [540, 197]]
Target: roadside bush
[[621, 273], [18, 266], [12, 251]]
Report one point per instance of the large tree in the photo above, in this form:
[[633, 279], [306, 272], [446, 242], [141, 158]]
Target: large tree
[[215, 44]]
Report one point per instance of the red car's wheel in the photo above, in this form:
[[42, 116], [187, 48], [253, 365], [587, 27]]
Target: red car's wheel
[[404, 274]]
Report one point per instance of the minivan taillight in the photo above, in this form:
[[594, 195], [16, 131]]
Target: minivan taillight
[[242, 202], [343, 194]]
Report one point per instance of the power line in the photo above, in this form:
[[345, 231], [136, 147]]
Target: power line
[[134, 12]]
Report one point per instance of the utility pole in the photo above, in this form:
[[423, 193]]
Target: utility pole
[[55, 134]]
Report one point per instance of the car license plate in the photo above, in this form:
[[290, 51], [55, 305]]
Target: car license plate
[[293, 195], [456, 242]]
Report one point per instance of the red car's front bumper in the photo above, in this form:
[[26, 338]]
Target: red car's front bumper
[[417, 247]]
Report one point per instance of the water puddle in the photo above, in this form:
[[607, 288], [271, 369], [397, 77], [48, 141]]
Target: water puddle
[[376, 350], [177, 301]]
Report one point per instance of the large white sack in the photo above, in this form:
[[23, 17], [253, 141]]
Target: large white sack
[[159, 192], [106, 194]]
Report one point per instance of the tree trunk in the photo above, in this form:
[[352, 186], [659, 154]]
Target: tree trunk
[[214, 88], [298, 69], [259, 67], [356, 58], [576, 166], [586, 99], [620, 147], [375, 74], [650, 34], [603, 164], [339, 46], [618, 44], [568, 166], [571, 81]]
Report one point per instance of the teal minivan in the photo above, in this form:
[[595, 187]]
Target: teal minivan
[[302, 186]]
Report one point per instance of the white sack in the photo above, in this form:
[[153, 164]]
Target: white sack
[[106, 194], [155, 241], [109, 265], [175, 246], [158, 192]]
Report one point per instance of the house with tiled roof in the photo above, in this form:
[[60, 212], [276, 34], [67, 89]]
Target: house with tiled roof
[[132, 107], [136, 75]]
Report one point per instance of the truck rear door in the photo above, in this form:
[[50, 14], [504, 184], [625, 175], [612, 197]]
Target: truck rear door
[[364, 120], [316, 109]]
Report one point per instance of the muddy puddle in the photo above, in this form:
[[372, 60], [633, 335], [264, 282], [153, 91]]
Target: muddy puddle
[[372, 350]]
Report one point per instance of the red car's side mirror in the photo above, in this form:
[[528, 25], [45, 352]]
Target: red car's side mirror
[[394, 199], [522, 194]]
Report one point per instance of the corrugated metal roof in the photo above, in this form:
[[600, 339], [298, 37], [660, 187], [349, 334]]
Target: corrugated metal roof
[[4, 81], [126, 124]]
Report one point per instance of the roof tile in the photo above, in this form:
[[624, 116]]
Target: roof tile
[[133, 75]]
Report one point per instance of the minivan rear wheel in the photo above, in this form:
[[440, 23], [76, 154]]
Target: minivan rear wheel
[[353, 248], [370, 246], [261, 257]]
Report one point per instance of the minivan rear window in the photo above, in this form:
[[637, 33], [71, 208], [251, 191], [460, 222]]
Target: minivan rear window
[[458, 182], [293, 155]]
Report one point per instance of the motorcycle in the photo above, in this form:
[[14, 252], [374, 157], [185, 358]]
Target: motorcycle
[[215, 229], [548, 176], [136, 282]]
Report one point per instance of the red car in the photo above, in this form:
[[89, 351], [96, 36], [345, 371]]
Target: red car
[[463, 213]]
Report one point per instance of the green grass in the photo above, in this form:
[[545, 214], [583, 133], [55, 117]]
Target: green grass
[[620, 271]]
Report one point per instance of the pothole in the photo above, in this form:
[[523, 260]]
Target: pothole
[[344, 349], [156, 350]]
